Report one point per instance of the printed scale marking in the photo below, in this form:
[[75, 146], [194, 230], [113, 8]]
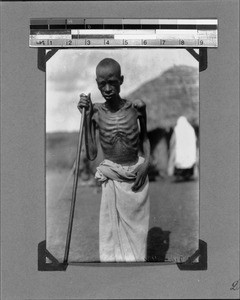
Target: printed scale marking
[[49, 33]]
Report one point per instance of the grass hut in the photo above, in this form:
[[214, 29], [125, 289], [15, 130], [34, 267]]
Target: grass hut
[[174, 93]]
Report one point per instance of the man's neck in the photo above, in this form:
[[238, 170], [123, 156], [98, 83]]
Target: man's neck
[[116, 104]]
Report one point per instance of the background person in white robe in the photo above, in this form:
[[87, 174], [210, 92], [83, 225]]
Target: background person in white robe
[[183, 150]]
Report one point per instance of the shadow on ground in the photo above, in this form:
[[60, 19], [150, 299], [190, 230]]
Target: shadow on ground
[[157, 244]]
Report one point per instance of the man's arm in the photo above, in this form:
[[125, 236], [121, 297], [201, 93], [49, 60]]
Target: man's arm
[[90, 126], [142, 170]]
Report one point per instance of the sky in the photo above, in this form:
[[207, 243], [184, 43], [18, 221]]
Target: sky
[[71, 72]]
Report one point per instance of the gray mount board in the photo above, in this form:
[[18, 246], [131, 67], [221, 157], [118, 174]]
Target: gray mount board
[[23, 173]]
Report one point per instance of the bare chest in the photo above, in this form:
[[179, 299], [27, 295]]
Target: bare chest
[[121, 121]]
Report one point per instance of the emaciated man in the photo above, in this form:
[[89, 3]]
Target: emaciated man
[[124, 211]]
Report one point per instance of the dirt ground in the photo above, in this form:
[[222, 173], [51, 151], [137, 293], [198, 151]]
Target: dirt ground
[[174, 219]]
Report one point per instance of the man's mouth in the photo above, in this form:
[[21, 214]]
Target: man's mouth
[[108, 96]]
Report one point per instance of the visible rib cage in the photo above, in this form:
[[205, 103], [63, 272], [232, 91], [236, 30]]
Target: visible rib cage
[[119, 132]]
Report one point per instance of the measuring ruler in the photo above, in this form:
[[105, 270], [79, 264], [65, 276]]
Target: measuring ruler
[[81, 33]]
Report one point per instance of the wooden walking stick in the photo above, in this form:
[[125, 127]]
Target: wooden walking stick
[[74, 191]]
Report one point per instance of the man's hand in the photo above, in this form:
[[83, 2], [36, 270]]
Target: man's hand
[[85, 101], [141, 171]]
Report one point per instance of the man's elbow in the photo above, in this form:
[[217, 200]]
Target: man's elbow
[[92, 155], [145, 140]]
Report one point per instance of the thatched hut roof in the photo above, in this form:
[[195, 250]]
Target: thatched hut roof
[[172, 94]]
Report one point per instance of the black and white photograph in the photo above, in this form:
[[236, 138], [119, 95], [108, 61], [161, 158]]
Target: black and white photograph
[[137, 192], [119, 149]]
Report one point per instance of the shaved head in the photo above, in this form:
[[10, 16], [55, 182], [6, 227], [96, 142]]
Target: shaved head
[[109, 62], [109, 79]]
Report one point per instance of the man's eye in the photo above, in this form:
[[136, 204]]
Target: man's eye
[[113, 82], [102, 84]]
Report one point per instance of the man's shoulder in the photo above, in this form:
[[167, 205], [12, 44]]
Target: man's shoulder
[[136, 103], [140, 106], [97, 106]]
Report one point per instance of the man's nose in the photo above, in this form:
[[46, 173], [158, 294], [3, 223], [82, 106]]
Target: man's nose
[[107, 88]]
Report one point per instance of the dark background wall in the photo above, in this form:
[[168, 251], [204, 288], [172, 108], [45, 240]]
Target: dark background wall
[[23, 156]]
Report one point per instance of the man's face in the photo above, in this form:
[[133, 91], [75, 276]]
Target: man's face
[[109, 81]]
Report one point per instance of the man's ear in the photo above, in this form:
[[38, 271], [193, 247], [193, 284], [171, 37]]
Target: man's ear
[[97, 83], [121, 80]]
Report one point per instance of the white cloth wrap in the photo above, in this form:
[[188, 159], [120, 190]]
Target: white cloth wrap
[[124, 214]]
